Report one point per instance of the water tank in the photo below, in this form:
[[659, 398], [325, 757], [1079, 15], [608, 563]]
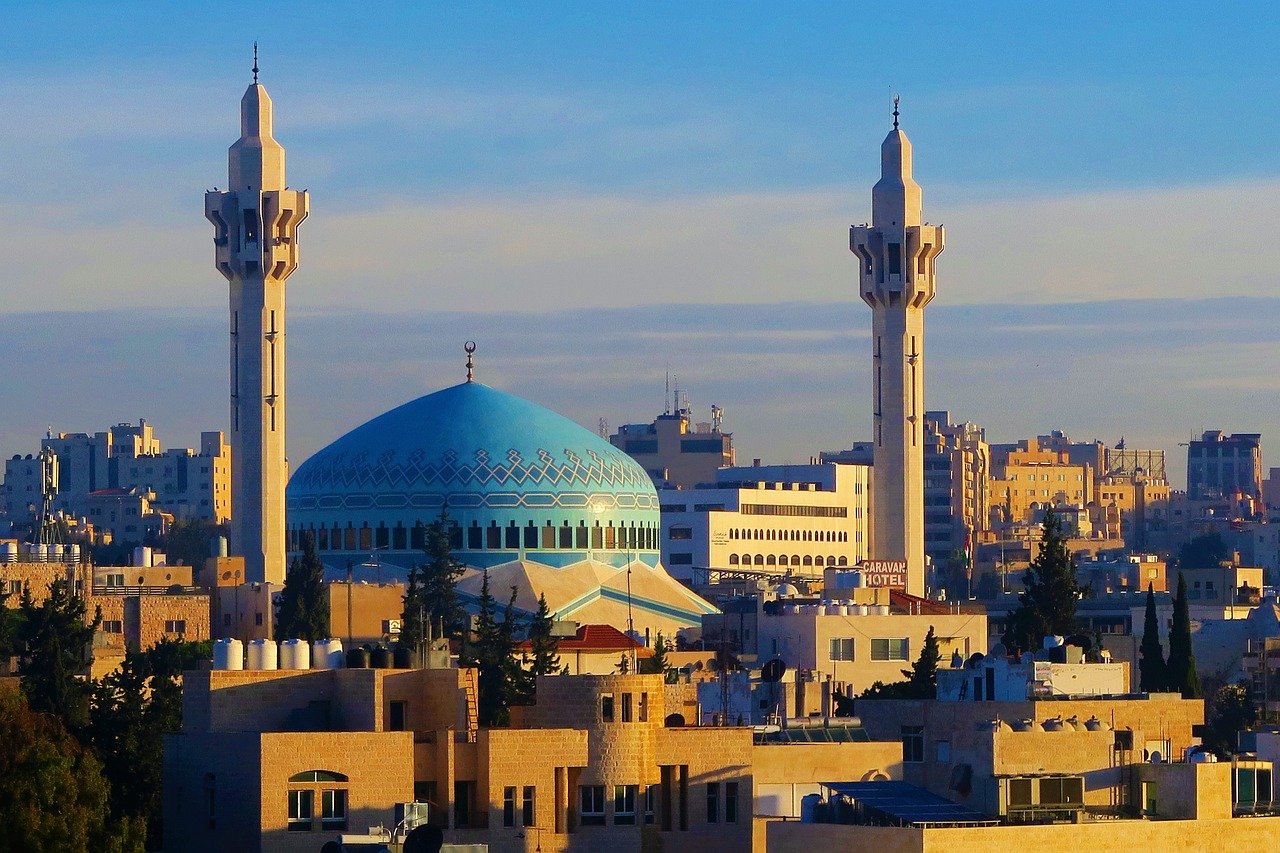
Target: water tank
[[73, 552], [382, 658], [326, 654], [40, 553], [833, 610], [880, 609], [358, 658], [9, 552], [142, 556], [228, 653], [295, 654], [218, 547], [262, 654], [403, 657], [56, 553]]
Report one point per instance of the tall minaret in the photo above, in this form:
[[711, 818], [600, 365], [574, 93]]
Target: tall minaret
[[256, 247], [895, 269]]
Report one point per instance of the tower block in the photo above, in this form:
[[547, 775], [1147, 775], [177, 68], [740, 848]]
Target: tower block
[[896, 255], [256, 247]]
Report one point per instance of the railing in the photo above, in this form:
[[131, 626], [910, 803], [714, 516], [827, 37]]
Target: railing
[[171, 589]]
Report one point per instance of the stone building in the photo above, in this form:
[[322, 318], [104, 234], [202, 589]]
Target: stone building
[[676, 452], [957, 472]]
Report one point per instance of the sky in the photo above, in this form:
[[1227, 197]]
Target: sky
[[596, 192]]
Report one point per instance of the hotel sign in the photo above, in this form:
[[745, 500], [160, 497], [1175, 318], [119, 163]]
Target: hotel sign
[[885, 573]]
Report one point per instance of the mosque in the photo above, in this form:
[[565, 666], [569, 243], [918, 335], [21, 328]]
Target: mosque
[[532, 498]]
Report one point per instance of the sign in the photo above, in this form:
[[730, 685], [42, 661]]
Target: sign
[[720, 537], [393, 626], [885, 573]]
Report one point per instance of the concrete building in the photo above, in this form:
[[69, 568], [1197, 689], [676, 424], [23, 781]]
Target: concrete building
[[1026, 477], [957, 473], [896, 254], [676, 452], [767, 520], [1220, 465], [255, 240]]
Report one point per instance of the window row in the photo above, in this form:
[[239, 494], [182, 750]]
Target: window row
[[788, 535], [526, 806], [722, 800], [783, 560], [607, 537], [882, 649], [628, 711], [795, 510]]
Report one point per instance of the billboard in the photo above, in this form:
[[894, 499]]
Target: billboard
[[885, 573]]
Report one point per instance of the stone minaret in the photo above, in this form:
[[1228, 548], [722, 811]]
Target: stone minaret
[[896, 254], [256, 247]]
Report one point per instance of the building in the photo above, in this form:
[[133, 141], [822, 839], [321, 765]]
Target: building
[[676, 452], [896, 255], [957, 473], [255, 240], [1026, 477], [768, 520], [531, 498], [1221, 465]]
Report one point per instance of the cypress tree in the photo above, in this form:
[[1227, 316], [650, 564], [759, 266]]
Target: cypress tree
[[657, 663], [1048, 604], [1152, 675], [54, 652], [922, 678], [492, 652], [543, 659], [304, 601], [431, 593], [1182, 675]]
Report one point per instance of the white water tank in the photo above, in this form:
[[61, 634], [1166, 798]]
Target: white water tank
[[142, 557], [56, 553], [881, 610], [9, 552], [40, 553], [228, 653], [295, 654], [834, 610], [327, 654], [263, 654], [73, 552]]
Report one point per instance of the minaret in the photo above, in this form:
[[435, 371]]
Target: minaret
[[895, 269], [256, 247]]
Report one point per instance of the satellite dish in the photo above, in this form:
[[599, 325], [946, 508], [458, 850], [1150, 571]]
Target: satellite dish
[[424, 839], [772, 672]]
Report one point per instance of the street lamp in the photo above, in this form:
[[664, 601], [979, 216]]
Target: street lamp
[[537, 829]]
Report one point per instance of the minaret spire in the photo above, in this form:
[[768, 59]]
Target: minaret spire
[[896, 255], [895, 97], [469, 348], [256, 248]]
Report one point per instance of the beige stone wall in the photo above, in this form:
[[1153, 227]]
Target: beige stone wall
[[154, 611], [825, 762], [372, 607], [1112, 836], [35, 577]]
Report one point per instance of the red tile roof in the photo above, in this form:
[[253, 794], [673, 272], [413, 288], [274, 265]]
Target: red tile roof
[[597, 638]]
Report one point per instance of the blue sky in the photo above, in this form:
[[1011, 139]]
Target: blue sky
[[567, 159]]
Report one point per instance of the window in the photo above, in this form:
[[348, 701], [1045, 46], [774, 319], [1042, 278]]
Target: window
[[399, 711], [713, 802], [112, 626], [606, 707], [680, 533], [842, 648], [257, 618], [883, 649], [175, 626], [624, 805], [300, 810], [591, 805], [333, 809], [644, 708], [651, 794], [509, 806], [526, 807], [912, 744], [685, 559], [730, 802]]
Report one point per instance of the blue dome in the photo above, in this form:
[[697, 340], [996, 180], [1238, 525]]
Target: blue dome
[[517, 480]]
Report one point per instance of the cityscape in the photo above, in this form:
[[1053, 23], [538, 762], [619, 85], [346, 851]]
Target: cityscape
[[518, 471]]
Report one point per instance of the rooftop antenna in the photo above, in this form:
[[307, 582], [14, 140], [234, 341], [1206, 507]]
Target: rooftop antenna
[[470, 347], [667, 395], [604, 428], [255, 63], [895, 112]]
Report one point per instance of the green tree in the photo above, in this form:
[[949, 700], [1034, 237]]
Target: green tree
[[431, 595], [304, 601], [133, 708], [658, 663], [1182, 676], [54, 654], [923, 675], [502, 681], [1231, 710], [10, 619], [53, 796], [1152, 676], [1204, 552], [1048, 604], [543, 647]]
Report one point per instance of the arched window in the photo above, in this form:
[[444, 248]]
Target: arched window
[[795, 559], [771, 560], [831, 561], [318, 776], [843, 561], [733, 559], [759, 561], [808, 561], [310, 788]]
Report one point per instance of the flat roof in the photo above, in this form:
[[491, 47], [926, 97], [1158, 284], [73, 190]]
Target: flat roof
[[910, 805]]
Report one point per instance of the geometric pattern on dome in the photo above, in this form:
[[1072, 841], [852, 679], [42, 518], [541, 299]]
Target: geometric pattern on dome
[[341, 471], [490, 500]]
